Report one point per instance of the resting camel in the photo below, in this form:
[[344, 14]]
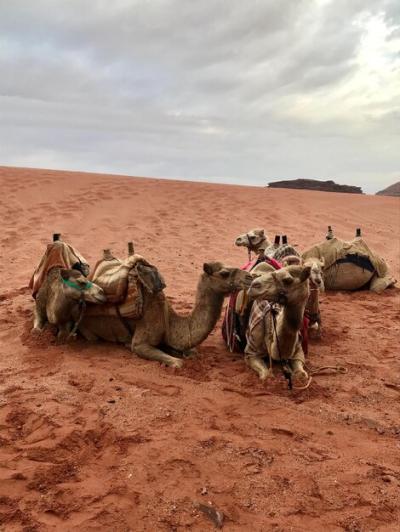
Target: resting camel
[[316, 282], [287, 255], [61, 297], [255, 241], [289, 288], [351, 265], [161, 329]]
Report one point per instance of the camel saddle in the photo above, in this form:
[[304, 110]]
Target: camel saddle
[[123, 282]]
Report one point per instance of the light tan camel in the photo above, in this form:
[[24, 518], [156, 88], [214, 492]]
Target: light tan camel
[[255, 241], [351, 265], [161, 329], [289, 288], [317, 286], [60, 298]]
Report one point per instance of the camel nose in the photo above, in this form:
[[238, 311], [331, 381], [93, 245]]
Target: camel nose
[[318, 281]]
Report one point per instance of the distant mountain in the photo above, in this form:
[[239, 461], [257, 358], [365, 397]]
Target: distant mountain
[[392, 190], [315, 184]]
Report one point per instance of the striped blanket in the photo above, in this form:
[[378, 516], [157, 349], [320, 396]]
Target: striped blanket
[[123, 282]]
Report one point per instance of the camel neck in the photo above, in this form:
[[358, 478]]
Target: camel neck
[[289, 323], [312, 305], [189, 331]]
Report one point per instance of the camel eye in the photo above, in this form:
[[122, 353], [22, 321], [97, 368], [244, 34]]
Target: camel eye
[[224, 274], [256, 285]]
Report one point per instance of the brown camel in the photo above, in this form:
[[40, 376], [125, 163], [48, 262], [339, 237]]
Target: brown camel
[[289, 288], [60, 299], [316, 283], [161, 329]]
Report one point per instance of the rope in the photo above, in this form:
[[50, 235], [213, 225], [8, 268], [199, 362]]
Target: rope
[[318, 370], [82, 305]]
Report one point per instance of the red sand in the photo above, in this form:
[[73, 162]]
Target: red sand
[[94, 438]]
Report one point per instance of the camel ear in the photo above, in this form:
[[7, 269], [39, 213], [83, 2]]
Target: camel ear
[[208, 268], [261, 232], [322, 262], [305, 274]]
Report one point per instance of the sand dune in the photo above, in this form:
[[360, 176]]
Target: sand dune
[[94, 438]]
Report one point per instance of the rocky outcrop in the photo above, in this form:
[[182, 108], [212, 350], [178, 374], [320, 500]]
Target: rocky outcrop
[[392, 190], [315, 184]]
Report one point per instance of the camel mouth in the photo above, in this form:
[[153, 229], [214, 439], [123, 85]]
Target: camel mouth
[[97, 298]]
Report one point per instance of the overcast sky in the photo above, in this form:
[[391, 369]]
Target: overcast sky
[[227, 91]]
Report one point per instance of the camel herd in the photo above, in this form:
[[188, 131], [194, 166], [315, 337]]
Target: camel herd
[[273, 306]]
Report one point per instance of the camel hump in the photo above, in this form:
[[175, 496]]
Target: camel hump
[[123, 282]]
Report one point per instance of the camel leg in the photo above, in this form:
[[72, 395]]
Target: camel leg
[[63, 332], [38, 320], [152, 353], [187, 353], [259, 366], [88, 334], [297, 364]]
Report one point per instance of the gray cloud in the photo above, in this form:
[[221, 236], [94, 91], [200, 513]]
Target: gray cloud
[[217, 90]]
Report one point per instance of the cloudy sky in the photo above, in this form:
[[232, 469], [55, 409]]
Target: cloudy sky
[[226, 91]]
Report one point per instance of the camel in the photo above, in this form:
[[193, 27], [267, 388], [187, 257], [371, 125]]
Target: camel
[[289, 289], [317, 286], [255, 241], [161, 329], [351, 265], [61, 300]]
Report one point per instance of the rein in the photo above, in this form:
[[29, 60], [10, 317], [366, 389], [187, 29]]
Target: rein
[[81, 303], [249, 246], [82, 307]]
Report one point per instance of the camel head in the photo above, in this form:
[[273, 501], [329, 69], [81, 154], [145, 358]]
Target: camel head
[[225, 280], [253, 239], [77, 286], [316, 276], [286, 286]]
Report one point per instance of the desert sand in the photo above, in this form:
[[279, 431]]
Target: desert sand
[[94, 438]]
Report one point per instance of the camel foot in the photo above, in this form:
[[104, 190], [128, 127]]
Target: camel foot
[[175, 363], [300, 377], [259, 367], [36, 330]]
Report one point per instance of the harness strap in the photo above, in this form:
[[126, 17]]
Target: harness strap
[[82, 305], [123, 320], [71, 284]]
